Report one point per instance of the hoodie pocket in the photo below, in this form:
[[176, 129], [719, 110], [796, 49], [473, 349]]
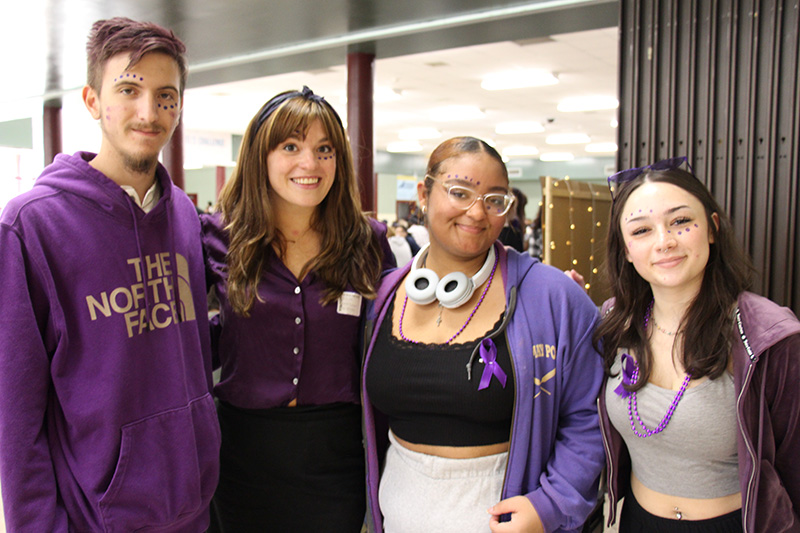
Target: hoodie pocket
[[167, 469]]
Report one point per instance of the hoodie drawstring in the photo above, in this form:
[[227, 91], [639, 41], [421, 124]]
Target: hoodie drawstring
[[512, 303], [142, 264]]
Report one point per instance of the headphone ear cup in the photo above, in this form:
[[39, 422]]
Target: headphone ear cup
[[454, 289], [421, 285]]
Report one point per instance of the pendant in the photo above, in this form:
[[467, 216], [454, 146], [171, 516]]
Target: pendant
[[439, 319]]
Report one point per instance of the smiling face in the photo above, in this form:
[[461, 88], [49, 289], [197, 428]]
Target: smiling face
[[138, 109], [458, 233], [302, 168], [667, 236]]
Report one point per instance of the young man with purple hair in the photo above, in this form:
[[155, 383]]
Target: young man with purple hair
[[106, 420]]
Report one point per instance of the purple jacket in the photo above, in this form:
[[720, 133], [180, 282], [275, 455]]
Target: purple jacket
[[106, 417], [556, 452], [766, 373]]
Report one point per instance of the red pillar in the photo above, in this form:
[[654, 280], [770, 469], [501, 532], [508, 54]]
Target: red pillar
[[360, 82], [51, 130], [220, 182], [173, 156]]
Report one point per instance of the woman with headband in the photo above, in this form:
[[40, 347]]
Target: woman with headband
[[292, 259], [480, 375], [701, 410]]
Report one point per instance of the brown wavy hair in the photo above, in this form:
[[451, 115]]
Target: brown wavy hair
[[108, 38], [707, 325], [350, 253]]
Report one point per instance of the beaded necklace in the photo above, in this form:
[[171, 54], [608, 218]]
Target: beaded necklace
[[662, 330], [483, 295], [633, 410]]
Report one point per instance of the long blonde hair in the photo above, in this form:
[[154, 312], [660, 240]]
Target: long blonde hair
[[350, 251]]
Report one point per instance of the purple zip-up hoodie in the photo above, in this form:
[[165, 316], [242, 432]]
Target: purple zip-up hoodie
[[106, 421], [556, 451], [766, 373]]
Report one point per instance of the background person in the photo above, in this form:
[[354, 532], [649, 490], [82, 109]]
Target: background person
[[417, 230], [292, 259], [700, 410], [397, 241], [106, 417], [488, 389], [513, 233]]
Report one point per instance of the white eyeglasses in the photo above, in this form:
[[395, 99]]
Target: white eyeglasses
[[495, 203]]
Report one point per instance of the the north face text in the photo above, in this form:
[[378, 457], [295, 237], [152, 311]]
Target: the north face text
[[154, 286]]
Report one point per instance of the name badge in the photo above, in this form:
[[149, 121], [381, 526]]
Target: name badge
[[349, 303]]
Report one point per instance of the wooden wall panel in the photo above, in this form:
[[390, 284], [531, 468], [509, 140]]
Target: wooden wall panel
[[719, 82]]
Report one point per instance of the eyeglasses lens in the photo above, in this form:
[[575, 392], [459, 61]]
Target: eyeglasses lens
[[463, 198]]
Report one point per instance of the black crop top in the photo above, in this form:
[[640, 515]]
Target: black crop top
[[424, 391]]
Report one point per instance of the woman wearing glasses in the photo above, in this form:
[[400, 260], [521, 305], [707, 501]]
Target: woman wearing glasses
[[480, 375], [701, 410]]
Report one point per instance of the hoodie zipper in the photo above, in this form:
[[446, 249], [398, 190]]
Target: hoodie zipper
[[513, 416], [503, 329], [745, 384]]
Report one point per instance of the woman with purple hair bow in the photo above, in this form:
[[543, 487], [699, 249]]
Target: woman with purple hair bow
[[293, 260], [700, 411]]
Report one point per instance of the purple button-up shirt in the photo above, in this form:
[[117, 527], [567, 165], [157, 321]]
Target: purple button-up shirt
[[290, 347]]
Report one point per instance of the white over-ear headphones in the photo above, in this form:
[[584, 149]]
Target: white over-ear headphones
[[423, 286]]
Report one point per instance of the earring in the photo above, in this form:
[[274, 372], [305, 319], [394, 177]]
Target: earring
[[424, 210]]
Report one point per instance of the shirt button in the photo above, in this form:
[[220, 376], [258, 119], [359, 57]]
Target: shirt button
[[297, 320], [295, 381], [296, 350], [297, 290]]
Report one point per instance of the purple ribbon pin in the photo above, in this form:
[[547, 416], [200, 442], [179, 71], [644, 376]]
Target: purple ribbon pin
[[491, 368], [628, 366]]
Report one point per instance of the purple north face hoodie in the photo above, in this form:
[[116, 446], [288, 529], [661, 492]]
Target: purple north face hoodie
[[106, 421]]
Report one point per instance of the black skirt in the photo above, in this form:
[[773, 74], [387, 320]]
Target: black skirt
[[293, 469], [635, 519]]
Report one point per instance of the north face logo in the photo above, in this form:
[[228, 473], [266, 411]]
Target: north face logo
[[155, 278]]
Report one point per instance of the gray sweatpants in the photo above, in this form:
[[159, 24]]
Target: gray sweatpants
[[420, 492]]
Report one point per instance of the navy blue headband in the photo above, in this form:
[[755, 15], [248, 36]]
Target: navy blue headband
[[276, 101]]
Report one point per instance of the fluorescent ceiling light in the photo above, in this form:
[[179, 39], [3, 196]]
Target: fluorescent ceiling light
[[557, 156], [456, 112], [412, 134], [601, 147], [518, 79], [520, 151], [518, 126], [403, 147], [385, 94], [587, 103], [568, 138]]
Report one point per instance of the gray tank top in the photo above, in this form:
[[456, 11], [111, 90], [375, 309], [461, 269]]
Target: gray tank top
[[695, 456]]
